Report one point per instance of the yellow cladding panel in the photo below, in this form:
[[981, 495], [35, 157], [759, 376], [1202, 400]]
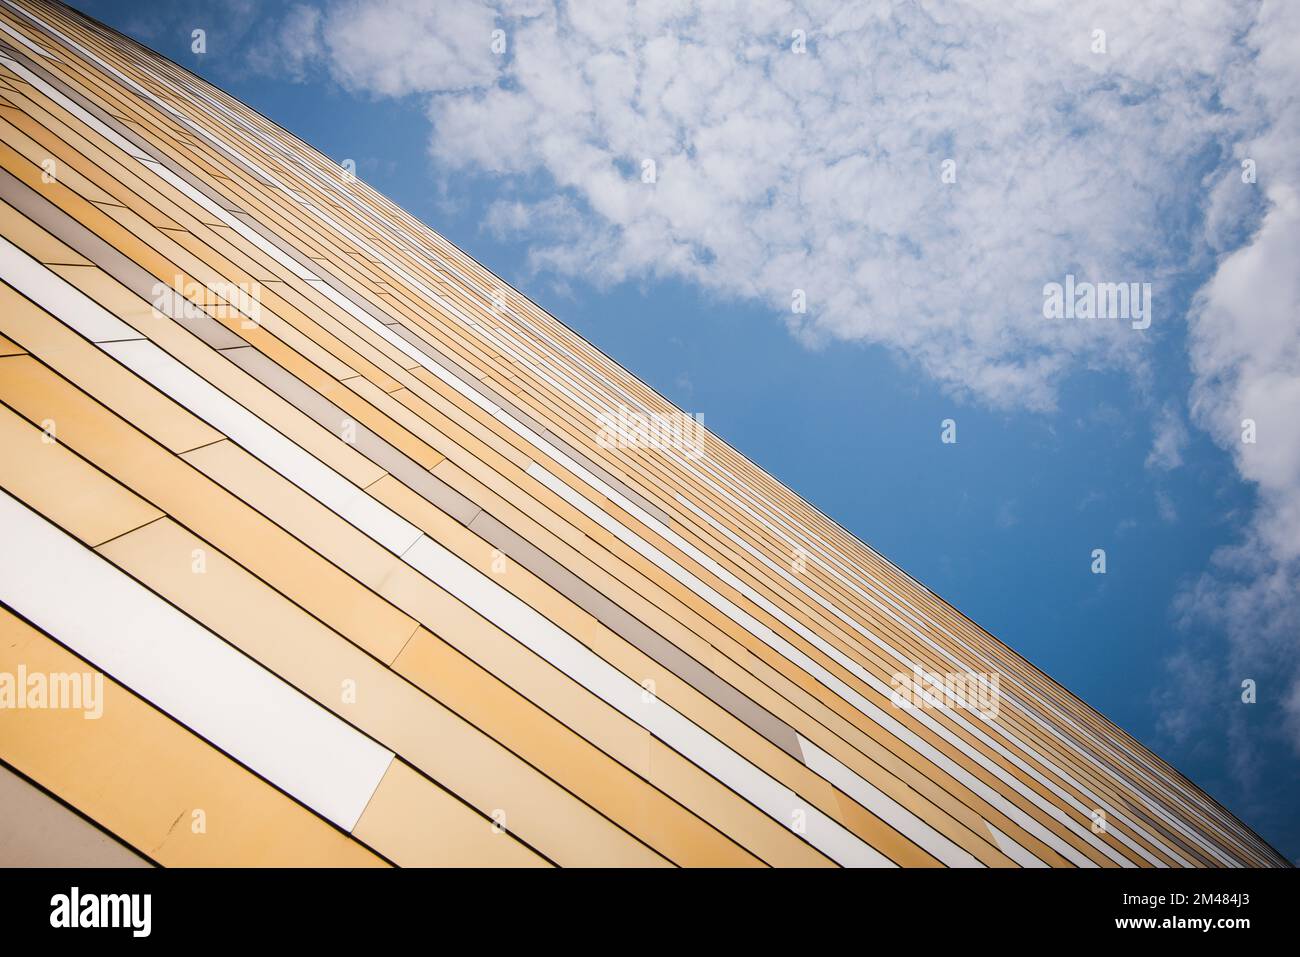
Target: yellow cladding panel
[[150, 781], [39, 470], [341, 677], [671, 828], [40, 334], [116, 447], [37, 243], [424, 826]]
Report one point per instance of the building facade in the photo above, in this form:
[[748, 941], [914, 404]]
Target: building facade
[[324, 546]]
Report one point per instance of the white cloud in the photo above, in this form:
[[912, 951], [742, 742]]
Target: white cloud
[[1169, 441], [409, 46], [1245, 353], [293, 48], [822, 171]]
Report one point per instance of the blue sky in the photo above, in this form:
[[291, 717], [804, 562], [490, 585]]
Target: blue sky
[[1069, 439]]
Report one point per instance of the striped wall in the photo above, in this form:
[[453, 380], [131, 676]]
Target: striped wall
[[325, 506]]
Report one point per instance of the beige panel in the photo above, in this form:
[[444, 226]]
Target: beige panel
[[40, 471], [21, 231], [211, 512], [678, 833], [774, 842], [40, 334], [142, 776], [344, 679], [420, 825], [24, 135], [273, 495], [36, 830]]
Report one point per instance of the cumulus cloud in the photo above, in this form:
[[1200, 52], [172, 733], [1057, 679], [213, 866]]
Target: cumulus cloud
[[823, 170], [1103, 140], [1245, 355]]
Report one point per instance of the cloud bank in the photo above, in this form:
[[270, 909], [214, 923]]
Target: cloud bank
[[1244, 347], [919, 171]]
